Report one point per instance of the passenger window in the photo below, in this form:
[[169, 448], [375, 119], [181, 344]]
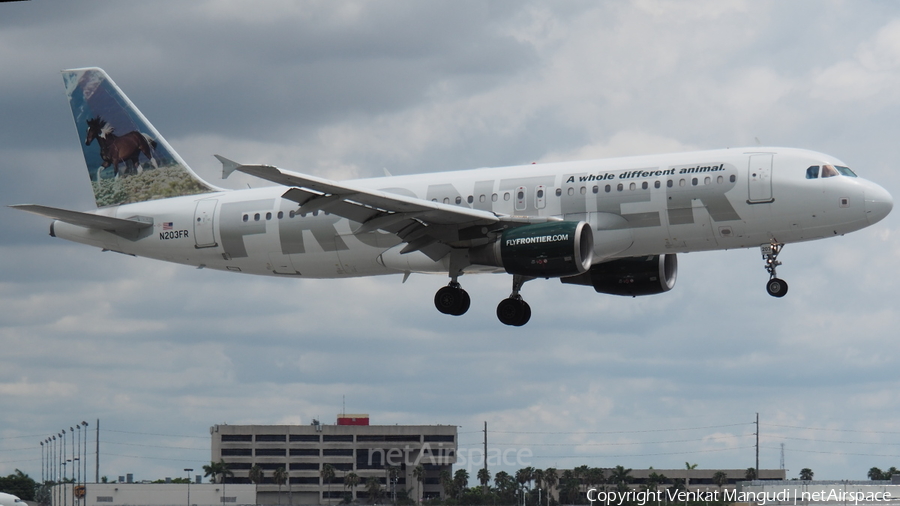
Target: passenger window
[[707, 180], [681, 182], [256, 217], [459, 200], [571, 191], [540, 194], [446, 200], [656, 184], [493, 197], [280, 214], [670, 183], [583, 190], [733, 178], [268, 216], [812, 172], [470, 199], [246, 217], [608, 188], [506, 196], [620, 187], [559, 192], [645, 185], [694, 181], [720, 180], [482, 198], [828, 171], [632, 186], [596, 189]]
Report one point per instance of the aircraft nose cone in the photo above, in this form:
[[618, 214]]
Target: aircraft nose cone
[[878, 203]]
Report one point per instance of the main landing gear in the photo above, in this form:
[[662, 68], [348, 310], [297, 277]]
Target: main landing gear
[[775, 286], [452, 299], [514, 310]]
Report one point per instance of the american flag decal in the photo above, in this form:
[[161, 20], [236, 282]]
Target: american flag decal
[[167, 225]]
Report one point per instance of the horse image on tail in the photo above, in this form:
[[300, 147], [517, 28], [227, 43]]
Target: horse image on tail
[[115, 150]]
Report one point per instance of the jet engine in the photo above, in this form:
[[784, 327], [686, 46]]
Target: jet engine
[[544, 250], [634, 276]]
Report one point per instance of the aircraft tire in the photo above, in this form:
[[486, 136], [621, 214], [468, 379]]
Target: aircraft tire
[[513, 312], [777, 287], [452, 300]]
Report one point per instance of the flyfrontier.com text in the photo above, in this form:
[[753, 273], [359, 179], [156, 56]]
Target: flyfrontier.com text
[[538, 239], [785, 496], [632, 174]]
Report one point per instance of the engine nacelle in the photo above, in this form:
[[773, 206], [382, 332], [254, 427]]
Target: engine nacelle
[[544, 250], [631, 276]]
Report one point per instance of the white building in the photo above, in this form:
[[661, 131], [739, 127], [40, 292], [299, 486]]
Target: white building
[[155, 494]]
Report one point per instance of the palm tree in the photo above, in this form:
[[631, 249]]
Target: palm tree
[[351, 480], [219, 471], [620, 478], [581, 474], [419, 474], [484, 477], [523, 476], [373, 486], [279, 477], [551, 478], [460, 482], [568, 487], [505, 485], [750, 475], [720, 478], [256, 476], [327, 474], [687, 481], [393, 472], [654, 481], [447, 483], [890, 472], [595, 476], [538, 476], [806, 474]]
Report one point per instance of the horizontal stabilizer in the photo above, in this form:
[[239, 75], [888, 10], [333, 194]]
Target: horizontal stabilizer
[[127, 228]]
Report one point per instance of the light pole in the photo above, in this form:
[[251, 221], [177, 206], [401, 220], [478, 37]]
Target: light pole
[[189, 471], [84, 454]]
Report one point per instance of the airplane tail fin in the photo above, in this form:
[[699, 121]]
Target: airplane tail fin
[[127, 159]]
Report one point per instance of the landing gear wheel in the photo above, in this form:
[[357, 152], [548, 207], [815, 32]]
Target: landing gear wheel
[[777, 287], [452, 300], [515, 312]]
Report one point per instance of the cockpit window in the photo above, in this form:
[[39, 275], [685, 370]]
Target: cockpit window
[[845, 171], [829, 171], [812, 172]]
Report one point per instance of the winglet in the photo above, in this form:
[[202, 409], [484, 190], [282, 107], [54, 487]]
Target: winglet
[[228, 166]]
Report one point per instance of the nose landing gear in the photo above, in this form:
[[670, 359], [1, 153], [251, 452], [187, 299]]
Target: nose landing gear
[[775, 286]]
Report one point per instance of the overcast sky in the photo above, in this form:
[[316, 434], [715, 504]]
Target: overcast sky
[[160, 352]]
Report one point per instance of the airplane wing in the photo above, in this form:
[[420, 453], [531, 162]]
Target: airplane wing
[[128, 228], [422, 224]]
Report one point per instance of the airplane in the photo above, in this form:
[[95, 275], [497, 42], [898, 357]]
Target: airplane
[[10, 500], [615, 225]]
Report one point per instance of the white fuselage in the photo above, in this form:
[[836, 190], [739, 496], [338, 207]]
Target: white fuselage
[[648, 205]]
